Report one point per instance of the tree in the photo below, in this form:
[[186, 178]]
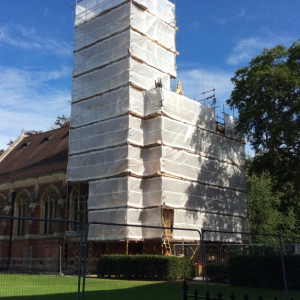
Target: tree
[[62, 121], [264, 213], [267, 96]]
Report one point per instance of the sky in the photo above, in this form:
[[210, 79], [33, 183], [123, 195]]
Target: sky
[[214, 39]]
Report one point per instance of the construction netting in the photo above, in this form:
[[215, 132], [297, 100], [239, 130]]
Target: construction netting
[[170, 192], [87, 10], [146, 132], [152, 161], [153, 217], [141, 147], [124, 44]]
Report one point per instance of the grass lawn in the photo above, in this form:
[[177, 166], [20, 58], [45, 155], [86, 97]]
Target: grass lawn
[[34, 287]]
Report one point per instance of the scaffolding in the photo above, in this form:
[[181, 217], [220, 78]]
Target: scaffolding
[[144, 149]]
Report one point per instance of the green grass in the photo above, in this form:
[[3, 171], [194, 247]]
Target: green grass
[[34, 287]]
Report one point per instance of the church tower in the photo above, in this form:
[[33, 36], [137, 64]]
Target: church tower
[[150, 156]]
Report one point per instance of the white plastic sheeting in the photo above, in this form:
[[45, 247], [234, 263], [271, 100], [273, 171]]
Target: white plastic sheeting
[[118, 46], [182, 108], [182, 219], [125, 216], [125, 100], [197, 220], [116, 192], [190, 137], [120, 19], [164, 191], [89, 9], [108, 133], [149, 161], [130, 129], [116, 75], [126, 142], [107, 106]]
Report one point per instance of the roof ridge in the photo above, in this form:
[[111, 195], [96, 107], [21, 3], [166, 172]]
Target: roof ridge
[[13, 145]]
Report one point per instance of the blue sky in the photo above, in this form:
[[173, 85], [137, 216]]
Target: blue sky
[[214, 39]]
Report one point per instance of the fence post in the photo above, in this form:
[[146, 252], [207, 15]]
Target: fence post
[[286, 290], [207, 296], [196, 295], [185, 289], [232, 297], [203, 261], [219, 296]]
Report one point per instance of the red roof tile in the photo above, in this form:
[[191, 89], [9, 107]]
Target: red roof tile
[[38, 154]]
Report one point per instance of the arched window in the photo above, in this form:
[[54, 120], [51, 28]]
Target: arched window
[[22, 210], [78, 205], [49, 201]]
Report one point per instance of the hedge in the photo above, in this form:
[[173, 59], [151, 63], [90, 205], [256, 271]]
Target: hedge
[[145, 266], [264, 271], [217, 272]]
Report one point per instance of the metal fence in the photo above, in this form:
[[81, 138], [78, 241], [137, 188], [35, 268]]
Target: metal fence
[[281, 245], [63, 262], [96, 231], [34, 262]]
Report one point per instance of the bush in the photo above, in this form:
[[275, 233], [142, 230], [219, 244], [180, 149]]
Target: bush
[[145, 266], [217, 272], [264, 271]]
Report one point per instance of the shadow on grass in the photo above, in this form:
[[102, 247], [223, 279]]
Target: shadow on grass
[[156, 291]]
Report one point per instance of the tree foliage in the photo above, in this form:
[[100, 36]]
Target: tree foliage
[[62, 121], [264, 209], [267, 96]]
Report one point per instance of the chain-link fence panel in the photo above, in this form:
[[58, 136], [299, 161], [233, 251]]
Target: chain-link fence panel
[[137, 261], [35, 256]]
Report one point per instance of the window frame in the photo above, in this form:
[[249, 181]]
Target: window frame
[[49, 205], [22, 210]]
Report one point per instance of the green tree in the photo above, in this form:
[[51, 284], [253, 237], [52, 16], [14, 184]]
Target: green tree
[[264, 213], [267, 95]]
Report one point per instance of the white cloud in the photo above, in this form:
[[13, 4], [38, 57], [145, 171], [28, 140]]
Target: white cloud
[[29, 39], [31, 101], [248, 48]]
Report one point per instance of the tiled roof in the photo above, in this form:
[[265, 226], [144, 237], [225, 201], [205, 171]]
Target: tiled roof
[[38, 154]]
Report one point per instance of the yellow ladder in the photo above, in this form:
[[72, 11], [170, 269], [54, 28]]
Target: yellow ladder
[[166, 238], [167, 245]]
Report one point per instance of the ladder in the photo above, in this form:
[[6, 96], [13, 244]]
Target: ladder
[[167, 245], [167, 220]]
